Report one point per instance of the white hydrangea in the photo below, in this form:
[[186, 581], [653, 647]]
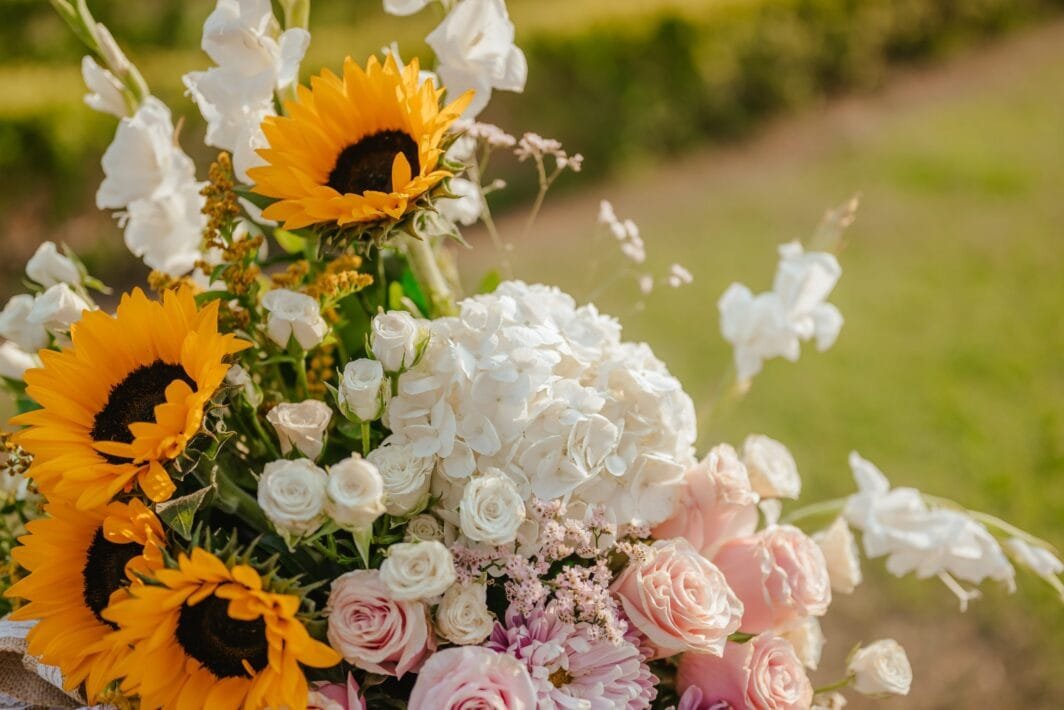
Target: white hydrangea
[[526, 382]]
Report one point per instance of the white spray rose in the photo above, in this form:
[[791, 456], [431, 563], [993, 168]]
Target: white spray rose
[[406, 477], [14, 361], [808, 640], [418, 570], [292, 495], [773, 472], [362, 390], [48, 267], [394, 339], [881, 668], [356, 493], [301, 426], [423, 527], [294, 314], [492, 509], [463, 617], [16, 326], [106, 93], [841, 553], [58, 308]]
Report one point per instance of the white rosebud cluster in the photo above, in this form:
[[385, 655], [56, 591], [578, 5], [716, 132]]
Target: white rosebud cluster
[[546, 393]]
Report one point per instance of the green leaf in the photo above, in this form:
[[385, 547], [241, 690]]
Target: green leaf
[[490, 282], [180, 514], [290, 242]]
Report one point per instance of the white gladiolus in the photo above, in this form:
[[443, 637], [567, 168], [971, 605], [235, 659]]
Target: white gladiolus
[[355, 493], [166, 231], [363, 389], [463, 617], [106, 93], [48, 267], [418, 570], [294, 314], [406, 476], [404, 7], [466, 207], [57, 308], [808, 641], [394, 339], [881, 668], [16, 326], [1039, 560], [301, 426], [14, 361], [840, 551], [475, 48], [292, 494], [773, 471], [492, 509]]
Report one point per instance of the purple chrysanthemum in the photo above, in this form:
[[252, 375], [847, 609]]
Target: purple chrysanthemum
[[574, 667]]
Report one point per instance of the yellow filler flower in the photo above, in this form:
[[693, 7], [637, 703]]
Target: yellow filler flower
[[79, 562], [355, 149], [210, 637], [126, 396]]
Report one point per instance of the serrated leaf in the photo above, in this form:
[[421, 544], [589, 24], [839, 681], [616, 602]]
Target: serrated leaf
[[180, 514]]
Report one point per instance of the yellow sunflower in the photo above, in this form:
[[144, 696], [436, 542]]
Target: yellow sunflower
[[127, 395], [355, 149], [79, 562], [211, 637]]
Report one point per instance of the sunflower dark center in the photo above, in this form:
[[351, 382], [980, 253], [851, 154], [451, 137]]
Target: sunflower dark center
[[134, 399], [367, 165], [105, 572], [219, 642]]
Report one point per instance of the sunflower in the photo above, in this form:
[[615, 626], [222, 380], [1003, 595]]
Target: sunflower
[[210, 636], [126, 396], [79, 562], [355, 149]]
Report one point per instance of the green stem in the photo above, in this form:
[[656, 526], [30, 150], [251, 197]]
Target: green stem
[[365, 439], [426, 270], [837, 685], [827, 507]]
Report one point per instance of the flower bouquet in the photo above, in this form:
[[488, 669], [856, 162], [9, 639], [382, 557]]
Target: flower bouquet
[[309, 473]]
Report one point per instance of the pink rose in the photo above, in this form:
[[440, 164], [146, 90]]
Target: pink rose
[[373, 631], [716, 503], [780, 575], [762, 674], [336, 696], [468, 677], [678, 599]]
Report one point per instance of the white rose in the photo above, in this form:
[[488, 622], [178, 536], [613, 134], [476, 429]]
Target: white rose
[[14, 361], [301, 426], [881, 668], [16, 326], [355, 493], [292, 495], [808, 640], [48, 267], [773, 472], [463, 617], [829, 701], [294, 314], [394, 339], [418, 570], [361, 389], [58, 308], [406, 477], [840, 551], [423, 527], [491, 510]]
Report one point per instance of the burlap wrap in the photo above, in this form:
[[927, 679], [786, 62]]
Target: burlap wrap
[[25, 683]]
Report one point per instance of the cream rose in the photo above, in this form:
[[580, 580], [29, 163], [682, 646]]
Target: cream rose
[[394, 339], [418, 570], [491, 510], [423, 527], [373, 630], [463, 617], [355, 493], [679, 600], [881, 668], [406, 477], [301, 426], [773, 472], [842, 556], [294, 314], [292, 495], [362, 390]]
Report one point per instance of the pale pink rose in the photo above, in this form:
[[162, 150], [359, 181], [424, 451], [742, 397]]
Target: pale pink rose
[[472, 677], [780, 575], [373, 631], [679, 600], [336, 696], [762, 674], [716, 503]]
